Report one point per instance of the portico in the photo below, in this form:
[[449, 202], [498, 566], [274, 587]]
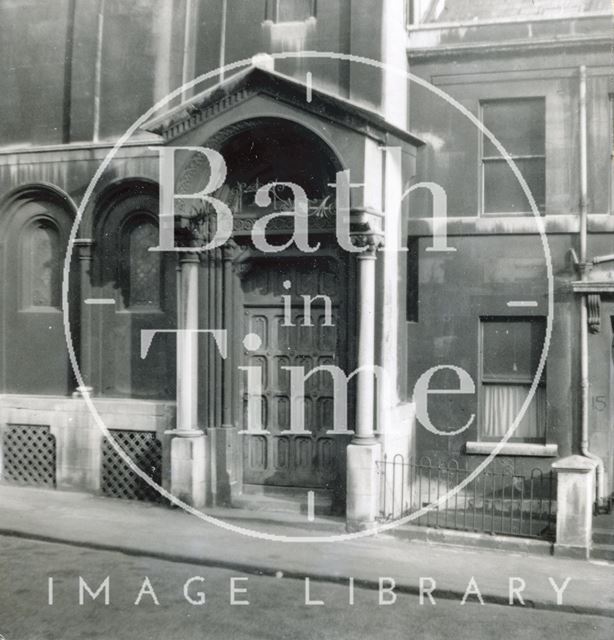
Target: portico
[[254, 284]]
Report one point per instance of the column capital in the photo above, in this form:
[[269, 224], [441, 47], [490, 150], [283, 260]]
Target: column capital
[[189, 257], [230, 250], [369, 241]]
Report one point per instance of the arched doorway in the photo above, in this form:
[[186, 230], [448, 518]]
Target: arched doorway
[[271, 305]]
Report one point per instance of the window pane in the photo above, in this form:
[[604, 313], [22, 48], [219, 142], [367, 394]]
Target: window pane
[[501, 405], [412, 285], [519, 125], [511, 349], [144, 266], [43, 266], [293, 10], [502, 191]]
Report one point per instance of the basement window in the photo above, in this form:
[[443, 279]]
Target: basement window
[[511, 349]]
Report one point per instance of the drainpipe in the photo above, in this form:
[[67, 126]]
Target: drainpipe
[[189, 47], [584, 267], [98, 70], [223, 39]]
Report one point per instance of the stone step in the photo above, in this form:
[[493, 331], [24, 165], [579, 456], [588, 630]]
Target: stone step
[[603, 536], [603, 552], [603, 528], [282, 499]]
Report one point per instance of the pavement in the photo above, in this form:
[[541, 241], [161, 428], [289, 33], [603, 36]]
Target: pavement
[[148, 530], [275, 609]]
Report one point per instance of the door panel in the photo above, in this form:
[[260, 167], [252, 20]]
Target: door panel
[[311, 459]]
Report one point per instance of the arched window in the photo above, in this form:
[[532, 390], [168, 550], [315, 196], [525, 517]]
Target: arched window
[[142, 273], [41, 265]]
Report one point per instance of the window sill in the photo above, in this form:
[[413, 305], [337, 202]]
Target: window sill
[[513, 449], [41, 309], [276, 24]]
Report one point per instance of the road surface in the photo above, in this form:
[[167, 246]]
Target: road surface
[[276, 608]]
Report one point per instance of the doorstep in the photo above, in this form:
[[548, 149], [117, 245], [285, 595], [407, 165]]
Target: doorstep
[[272, 499]]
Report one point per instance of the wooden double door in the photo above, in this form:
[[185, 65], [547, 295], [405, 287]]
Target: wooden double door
[[288, 335]]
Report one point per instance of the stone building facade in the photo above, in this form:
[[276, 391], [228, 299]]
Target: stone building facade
[[79, 74]]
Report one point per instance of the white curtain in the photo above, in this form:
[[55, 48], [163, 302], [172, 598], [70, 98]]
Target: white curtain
[[502, 403]]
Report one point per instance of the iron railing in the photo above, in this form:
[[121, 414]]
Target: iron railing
[[497, 502]]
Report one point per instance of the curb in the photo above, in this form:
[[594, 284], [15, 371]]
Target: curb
[[267, 571], [475, 540]]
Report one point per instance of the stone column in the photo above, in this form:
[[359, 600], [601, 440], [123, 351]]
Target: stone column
[[187, 347], [574, 505], [229, 252], [188, 444], [364, 451], [223, 439], [365, 392]]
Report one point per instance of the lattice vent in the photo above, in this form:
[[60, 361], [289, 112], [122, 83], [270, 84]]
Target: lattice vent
[[118, 479], [28, 453]]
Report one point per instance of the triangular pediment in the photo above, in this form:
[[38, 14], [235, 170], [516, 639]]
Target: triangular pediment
[[244, 85]]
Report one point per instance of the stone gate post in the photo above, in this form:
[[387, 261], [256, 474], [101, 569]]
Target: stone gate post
[[575, 496]]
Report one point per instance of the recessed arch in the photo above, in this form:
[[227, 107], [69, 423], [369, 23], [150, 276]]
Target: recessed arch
[[35, 222], [114, 193], [142, 285], [42, 192], [224, 135], [260, 150]]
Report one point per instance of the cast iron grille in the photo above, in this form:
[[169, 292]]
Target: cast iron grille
[[118, 479], [28, 455]]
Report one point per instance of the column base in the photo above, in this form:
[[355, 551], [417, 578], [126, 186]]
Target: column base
[[361, 441], [184, 433], [188, 469], [362, 507]]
